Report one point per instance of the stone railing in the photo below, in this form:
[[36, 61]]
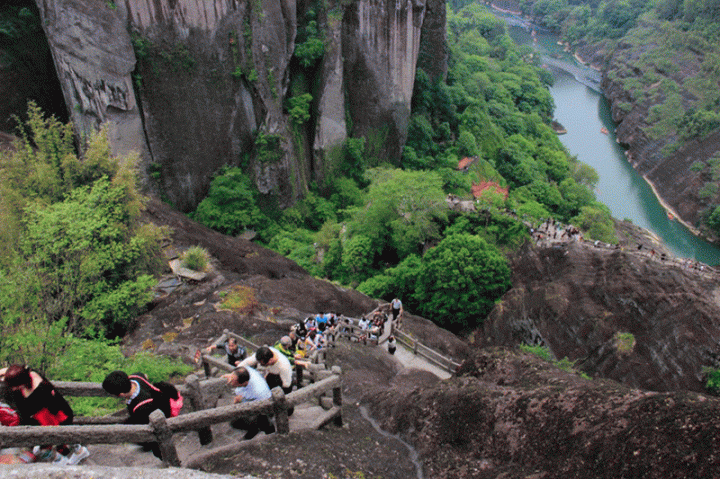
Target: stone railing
[[109, 430]]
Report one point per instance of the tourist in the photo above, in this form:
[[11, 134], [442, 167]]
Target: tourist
[[235, 352], [143, 398], [38, 403], [273, 365], [288, 349], [397, 308], [250, 386], [391, 345]]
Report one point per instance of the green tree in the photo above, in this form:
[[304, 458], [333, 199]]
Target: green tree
[[597, 223], [81, 260], [713, 220], [357, 258], [460, 281], [396, 282], [403, 211], [230, 206]]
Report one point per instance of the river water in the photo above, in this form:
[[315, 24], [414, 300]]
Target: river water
[[581, 108]]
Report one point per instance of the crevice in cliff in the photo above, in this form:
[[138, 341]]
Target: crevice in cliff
[[27, 69], [153, 170]]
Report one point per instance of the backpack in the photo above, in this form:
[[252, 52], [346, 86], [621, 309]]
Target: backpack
[[164, 390]]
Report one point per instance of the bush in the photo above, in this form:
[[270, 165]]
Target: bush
[[79, 256], [460, 280], [230, 206], [300, 108], [712, 383], [196, 258]]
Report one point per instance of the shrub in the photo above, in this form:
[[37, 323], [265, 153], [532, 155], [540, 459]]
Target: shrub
[[79, 256], [230, 206], [540, 351], [196, 258], [712, 383], [460, 280], [625, 342], [300, 108]]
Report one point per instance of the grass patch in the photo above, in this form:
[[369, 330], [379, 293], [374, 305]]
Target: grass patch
[[241, 299], [196, 258]]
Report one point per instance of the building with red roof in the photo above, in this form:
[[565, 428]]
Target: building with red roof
[[479, 188]]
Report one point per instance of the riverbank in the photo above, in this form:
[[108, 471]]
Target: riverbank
[[670, 211]]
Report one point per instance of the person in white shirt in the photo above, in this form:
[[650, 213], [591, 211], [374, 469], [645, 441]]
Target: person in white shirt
[[250, 386]]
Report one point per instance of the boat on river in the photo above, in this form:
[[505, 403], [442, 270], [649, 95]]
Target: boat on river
[[604, 130]]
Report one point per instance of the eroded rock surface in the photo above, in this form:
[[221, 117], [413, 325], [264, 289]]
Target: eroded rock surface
[[515, 416], [581, 302]]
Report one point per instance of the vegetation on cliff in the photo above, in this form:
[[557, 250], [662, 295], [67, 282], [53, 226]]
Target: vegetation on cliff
[[388, 230], [76, 265], [664, 58]]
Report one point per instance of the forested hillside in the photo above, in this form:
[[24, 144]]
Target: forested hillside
[[661, 64], [389, 232]]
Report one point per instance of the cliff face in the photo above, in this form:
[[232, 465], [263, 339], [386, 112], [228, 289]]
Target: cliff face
[[190, 84], [623, 315], [677, 184], [515, 416], [381, 41]]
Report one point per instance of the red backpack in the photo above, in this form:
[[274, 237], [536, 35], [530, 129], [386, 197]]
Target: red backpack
[[165, 390]]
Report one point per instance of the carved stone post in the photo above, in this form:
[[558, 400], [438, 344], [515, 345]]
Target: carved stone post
[[206, 367], [197, 401], [280, 407], [337, 395], [164, 438]]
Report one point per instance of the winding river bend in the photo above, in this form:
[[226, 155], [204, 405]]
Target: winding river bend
[[581, 108]]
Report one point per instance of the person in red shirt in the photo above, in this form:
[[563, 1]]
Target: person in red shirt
[[38, 403]]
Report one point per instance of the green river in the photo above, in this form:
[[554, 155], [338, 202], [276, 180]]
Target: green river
[[584, 112]]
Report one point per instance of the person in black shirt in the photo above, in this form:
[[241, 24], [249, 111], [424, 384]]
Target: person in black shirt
[[38, 403], [235, 353], [143, 398]]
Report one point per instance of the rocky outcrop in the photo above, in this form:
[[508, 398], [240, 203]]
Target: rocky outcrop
[[620, 314], [514, 416], [189, 85], [654, 151], [381, 41]]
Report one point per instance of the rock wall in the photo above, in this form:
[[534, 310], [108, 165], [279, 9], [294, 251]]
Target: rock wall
[[676, 184], [381, 41], [511, 415], [188, 84], [582, 301], [94, 60]]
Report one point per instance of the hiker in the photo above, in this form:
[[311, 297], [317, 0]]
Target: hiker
[[38, 403], [391, 345], [300, 330], [235, 352], [286, 347], [143, 398], [250, 386], [273, 365], [397, 311]]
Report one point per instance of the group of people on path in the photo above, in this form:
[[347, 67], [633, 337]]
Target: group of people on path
[[33, 400], [256, 375]]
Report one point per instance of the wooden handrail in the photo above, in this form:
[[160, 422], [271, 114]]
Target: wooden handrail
[[162, 429]]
